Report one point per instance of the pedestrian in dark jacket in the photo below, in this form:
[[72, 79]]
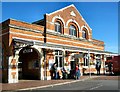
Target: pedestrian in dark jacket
[[110, 67], [98, 66], [54, 69]]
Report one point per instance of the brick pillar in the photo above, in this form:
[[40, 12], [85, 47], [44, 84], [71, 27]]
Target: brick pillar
[[102, 64], [104, 59], [13, 69]]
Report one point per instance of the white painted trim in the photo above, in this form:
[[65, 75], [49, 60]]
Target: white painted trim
[[53, 31], [50, 22], [51, 48], [27, 39], [69, 41], [74, 46], [71, 20], [10, 70], [53, 39], [82, 17], [72, 13], [60, 9], [81, 43], [24, 28], [48, 38], [48, 77], [53, 24], [66, 34], [61, 48], [86, 28], [49, 30], [72, 5], [65, 27], [90, 39], [58, 17], [85, 66]]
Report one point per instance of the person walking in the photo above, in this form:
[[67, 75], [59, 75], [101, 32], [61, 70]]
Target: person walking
[[54, 69], [98, 66], [110, 68]]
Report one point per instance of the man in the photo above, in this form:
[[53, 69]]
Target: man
[[98, 66], [54, 69], [110, 67]]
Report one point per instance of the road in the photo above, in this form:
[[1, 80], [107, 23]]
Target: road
[[87, 85], [106, 83]]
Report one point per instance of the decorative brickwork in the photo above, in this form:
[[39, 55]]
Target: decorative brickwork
[[49, 46]]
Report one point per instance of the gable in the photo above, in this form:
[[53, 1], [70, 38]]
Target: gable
[[69, 13]]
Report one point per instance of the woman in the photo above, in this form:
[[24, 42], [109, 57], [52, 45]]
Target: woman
[[77, 72]]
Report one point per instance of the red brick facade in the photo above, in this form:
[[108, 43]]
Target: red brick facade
[[41, 45]]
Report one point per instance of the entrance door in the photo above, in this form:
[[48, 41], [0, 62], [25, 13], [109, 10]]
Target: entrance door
[[29, 61]]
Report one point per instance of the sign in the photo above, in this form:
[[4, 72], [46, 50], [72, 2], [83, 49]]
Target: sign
[[27, 50], [78, 55]]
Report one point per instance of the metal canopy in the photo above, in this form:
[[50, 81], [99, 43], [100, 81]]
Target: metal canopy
[[19, 43]]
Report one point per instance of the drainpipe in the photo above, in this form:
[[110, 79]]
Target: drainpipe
[[45, 68]]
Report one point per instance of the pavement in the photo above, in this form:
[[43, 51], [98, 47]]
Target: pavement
[[33, 84]]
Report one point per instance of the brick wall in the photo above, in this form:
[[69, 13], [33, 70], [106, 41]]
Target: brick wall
[[65, 15]]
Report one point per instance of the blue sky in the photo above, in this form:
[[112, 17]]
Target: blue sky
[[102, 17]]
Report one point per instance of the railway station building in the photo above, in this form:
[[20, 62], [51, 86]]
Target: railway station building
[[63, 37]]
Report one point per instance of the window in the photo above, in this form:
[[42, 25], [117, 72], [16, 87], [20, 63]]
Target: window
[[86, 63], [59, 58], [83, 34], [72, 31], [58, 27]]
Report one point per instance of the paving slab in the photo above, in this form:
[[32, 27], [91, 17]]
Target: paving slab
[[28, 84]]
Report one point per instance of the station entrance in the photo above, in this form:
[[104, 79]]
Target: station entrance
[[29, 63]]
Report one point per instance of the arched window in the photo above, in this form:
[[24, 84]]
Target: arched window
[[72, 30], [84, 35], [58, 27]]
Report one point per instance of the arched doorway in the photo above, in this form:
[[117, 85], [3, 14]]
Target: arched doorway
[[29, 63]]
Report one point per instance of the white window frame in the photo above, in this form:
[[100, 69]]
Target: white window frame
[[72, 30], [84, 34], [58, 55], [57, 27]]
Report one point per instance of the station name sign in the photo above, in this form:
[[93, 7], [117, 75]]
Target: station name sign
[[27, 50]]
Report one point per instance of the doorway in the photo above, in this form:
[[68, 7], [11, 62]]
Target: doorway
[[29, 63]]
